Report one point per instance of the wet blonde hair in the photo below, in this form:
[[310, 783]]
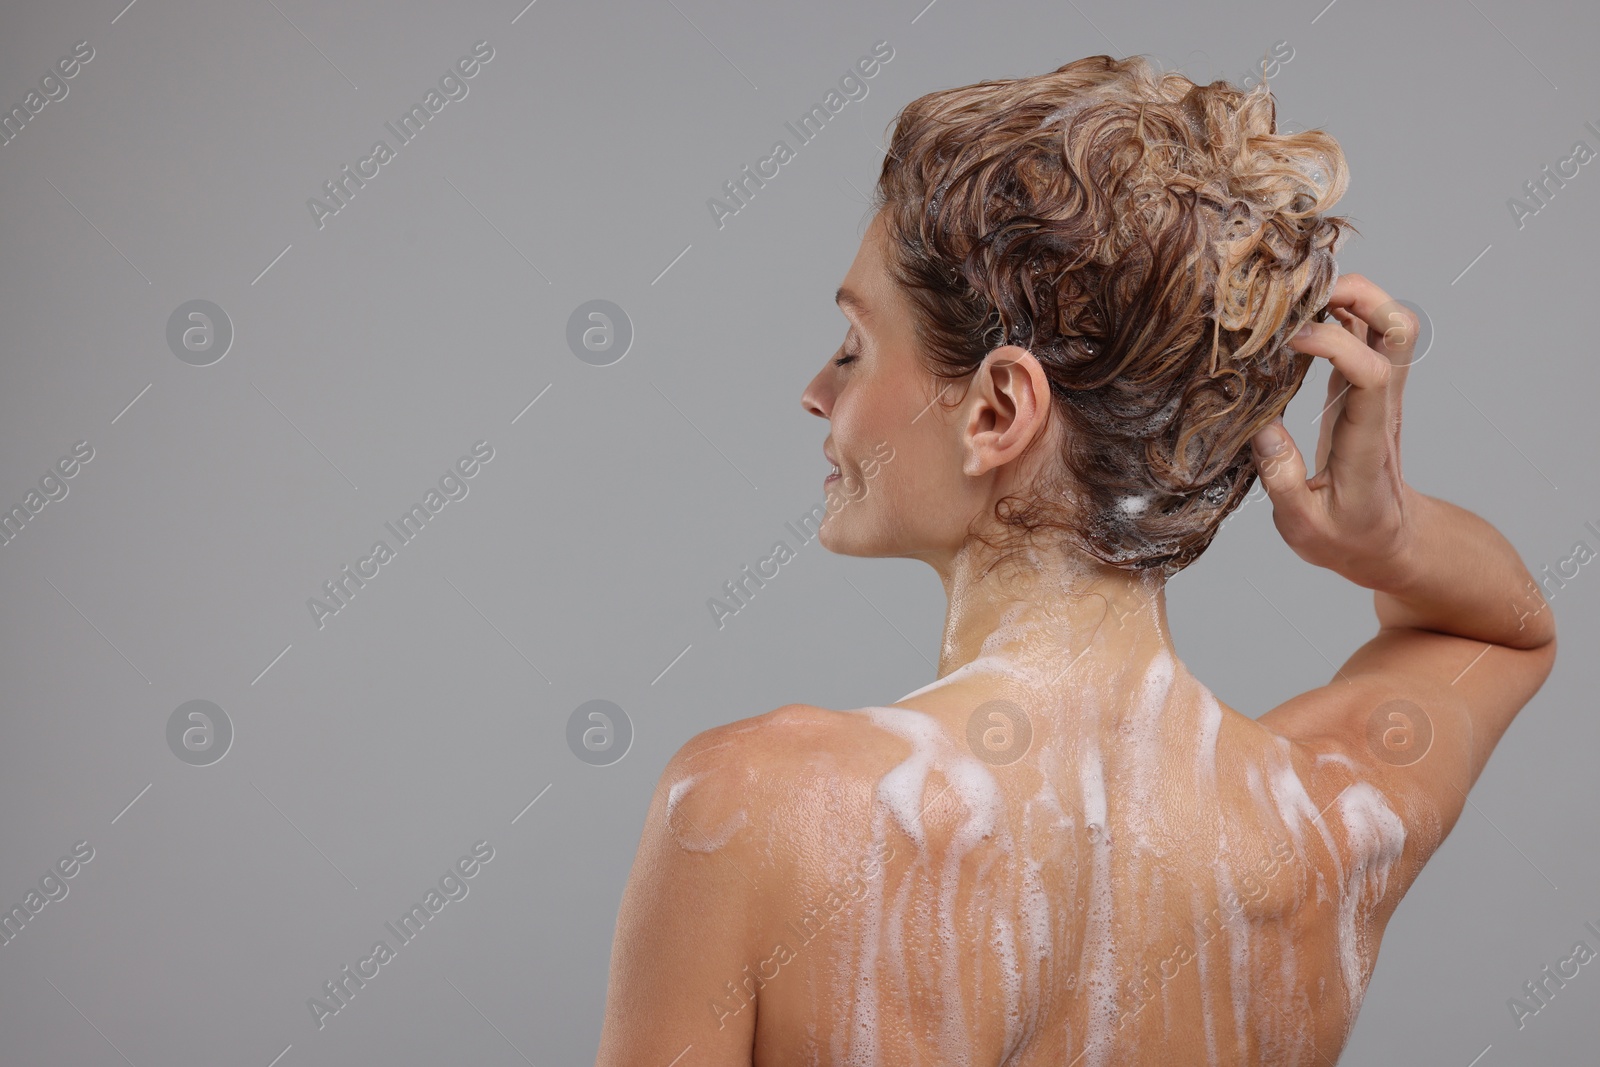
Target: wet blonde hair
[[1153, 243]]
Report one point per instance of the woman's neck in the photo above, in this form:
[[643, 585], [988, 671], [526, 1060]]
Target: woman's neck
[[1054, 616]]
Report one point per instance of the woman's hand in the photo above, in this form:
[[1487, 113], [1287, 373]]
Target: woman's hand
[[1351, 515]]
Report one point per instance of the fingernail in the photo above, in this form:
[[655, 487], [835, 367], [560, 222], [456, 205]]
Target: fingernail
[[1273, 439]]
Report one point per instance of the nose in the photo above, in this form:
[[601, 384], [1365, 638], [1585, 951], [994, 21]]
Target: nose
[[818, 396]]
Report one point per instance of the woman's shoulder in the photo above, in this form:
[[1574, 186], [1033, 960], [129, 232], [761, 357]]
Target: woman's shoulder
[[797, 755], [785, 797], [786, 739], [1352, 820]]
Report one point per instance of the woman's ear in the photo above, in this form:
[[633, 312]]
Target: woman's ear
[[1008, 405]]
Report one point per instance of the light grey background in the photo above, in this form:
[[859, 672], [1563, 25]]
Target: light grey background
[[430, 311]]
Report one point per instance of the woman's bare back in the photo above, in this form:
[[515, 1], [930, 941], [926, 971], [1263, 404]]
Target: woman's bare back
[[1162, 882]]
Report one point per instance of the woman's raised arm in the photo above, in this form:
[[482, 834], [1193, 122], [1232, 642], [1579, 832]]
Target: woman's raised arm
[[1464, 639]]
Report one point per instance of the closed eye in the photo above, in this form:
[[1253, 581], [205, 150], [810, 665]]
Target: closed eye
[[842, 360]]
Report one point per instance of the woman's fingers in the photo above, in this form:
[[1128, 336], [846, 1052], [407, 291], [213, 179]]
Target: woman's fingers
[[1356, 295], [1283, 473], [1342, 513], [1377, 320], [1359, 433], [1328, 417]]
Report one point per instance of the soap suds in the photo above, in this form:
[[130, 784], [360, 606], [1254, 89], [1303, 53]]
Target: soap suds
[[1376, 837], [1061, 886], [1098, 958]]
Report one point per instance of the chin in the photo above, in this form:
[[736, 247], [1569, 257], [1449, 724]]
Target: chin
[[836, 540], [846, 539], [830, 539]]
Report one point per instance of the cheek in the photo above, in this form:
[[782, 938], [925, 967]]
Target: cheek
[[864, 411], [894, 431], [915, 484]]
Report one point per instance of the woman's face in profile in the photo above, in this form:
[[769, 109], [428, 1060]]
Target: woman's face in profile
[[900, 490]]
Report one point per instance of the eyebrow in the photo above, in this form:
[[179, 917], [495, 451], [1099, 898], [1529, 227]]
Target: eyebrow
[[847, 299]]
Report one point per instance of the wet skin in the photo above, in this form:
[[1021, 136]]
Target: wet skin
[[1154, 880]]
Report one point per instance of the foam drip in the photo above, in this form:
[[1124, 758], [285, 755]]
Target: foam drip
[[1238, 955], [1376, 837], [1141, 734], [900, 794], [1098, 961]]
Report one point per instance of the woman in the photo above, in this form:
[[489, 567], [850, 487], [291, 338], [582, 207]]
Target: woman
[[1076, 318]]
